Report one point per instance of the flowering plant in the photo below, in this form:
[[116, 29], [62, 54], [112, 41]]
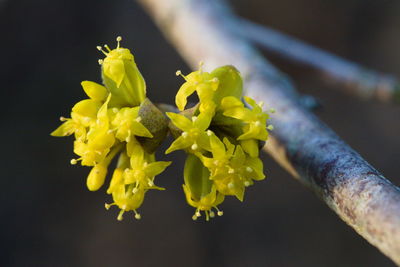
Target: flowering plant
[[220, 134]]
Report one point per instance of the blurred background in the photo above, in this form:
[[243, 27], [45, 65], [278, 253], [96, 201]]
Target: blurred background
[[49, 218]]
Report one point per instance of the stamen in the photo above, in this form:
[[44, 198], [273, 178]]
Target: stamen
[[261, 104], [201, 64], [209, 132], [100, 61], [246, 183], [249, 169], [138, 119], [63, 118], [178, 72], [198, 214], [220, 212], [119, 39], [194, 217], [212, 214], [135, 190], [107, 47], [207, 216], [194, 118], [107, 206], [101, 50], [270, 127], [194, 146], [137, 215], [74, 161], [120, 215], [150, 183], [185, 134]]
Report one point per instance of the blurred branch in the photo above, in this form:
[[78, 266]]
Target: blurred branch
[[350, 76], [304, 146]]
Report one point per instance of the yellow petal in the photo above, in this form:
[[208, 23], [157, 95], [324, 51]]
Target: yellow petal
[[94, 90]]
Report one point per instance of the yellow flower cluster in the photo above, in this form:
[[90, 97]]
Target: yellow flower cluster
[[221, 136], [108, 123]]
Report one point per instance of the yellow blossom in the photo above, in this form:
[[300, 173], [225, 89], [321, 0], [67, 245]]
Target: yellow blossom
[[255, 119], [199, 190], [194, 135], [122, 77]]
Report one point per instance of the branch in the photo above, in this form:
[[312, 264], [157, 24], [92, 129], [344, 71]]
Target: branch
[[309, 150], [350, 76]]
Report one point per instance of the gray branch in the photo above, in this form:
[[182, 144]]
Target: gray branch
[[307, 148], [347, 75]]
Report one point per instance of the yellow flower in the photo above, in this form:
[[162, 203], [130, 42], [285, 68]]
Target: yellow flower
[[198, 81], [199, 190], [84, 113], [231, 169], [99, 140], [255, 119], [194, 135], [127, 123], [143, 169], [122, 77]]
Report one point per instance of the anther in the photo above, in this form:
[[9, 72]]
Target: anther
[[115, 110], [138, 119], [120, 215], [178, 72], [258, 123], [119, 39], [63, 118], [150, 183], [249, 169], [246, 183], [194, 217], [135, 190], [212, 214], [231, 185], [107, 47], [194, 146], [184, 134], [194, 118], [230, 171], [209, 132], [137, 216], [100, 61], [73, 161], [220, 213], [107, 206], [270, 127], [215, 80], [198, 214]]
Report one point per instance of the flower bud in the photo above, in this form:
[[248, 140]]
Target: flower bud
[[96, 177]]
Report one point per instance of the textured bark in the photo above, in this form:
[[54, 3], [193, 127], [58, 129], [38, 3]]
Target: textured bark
[[308, 149]]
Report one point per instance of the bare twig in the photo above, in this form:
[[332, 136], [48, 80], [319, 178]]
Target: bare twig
[[309, 150], [347, 75]]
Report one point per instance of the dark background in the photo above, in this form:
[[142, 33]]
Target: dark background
[[49, 218]]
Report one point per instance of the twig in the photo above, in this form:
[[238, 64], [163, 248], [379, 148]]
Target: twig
[[349, 76], [309, 150]]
